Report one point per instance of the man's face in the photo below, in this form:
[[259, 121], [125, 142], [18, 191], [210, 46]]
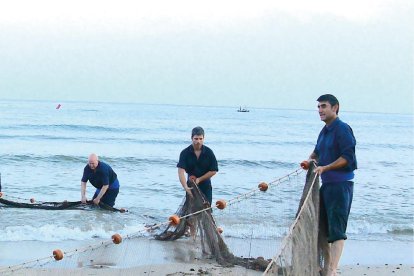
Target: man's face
[[327, 112], [197, 141], [93, 163]]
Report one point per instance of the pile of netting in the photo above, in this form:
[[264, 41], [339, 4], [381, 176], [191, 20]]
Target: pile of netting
[[17, 202], [195, 216]]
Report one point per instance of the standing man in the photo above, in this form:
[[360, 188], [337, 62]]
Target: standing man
[[335, 156], [103, 178], [199, 161]]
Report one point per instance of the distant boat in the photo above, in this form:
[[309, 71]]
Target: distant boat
[[242, 109]]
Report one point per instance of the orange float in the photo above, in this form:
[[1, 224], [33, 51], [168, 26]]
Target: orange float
[[116, 238], [122, 210], [57, 254], [263, 186], [32, 200], [221, 204], [174, 220], [1, 194], [220, 230], [304, 165]]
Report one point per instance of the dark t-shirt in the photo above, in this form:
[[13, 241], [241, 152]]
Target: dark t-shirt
[[198, 167], [104, 175]]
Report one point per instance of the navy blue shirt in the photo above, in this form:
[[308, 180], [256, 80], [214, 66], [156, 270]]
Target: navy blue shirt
[[198, 167], [334, 141], [103, 175]]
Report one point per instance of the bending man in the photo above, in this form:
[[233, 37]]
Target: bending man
[[103, 178]]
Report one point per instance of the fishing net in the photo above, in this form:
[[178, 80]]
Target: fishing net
[[195, 238], [300, 252]]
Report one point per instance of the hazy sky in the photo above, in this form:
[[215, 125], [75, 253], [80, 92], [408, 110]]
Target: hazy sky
[[281, 54]]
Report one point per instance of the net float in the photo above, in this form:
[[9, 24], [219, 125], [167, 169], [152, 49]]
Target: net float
[[116, 238], [122, 210], [220, 230], [304, 165], [174, 220], [32, 200], [263, 186], [1, 194], [221, 204], [57, 254]]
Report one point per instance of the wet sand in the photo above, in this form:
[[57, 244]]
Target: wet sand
[[146, 257]]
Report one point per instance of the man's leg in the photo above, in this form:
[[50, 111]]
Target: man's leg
[[324, 246], [336, 252], [110, 197], [340, 196]]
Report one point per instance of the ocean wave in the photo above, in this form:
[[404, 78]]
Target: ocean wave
[[136, 160], [42, 158], [75, 127], [361, 227], [385, 146], [51, 232], [401, 231], [257, 163]]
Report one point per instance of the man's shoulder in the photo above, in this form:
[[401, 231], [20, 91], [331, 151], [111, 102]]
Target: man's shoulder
[[103, 166], [187, 149], [208, 150], [342, 126]]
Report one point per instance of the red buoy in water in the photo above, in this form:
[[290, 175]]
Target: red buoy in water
[[116, 238], [263, 186], [58, 254]]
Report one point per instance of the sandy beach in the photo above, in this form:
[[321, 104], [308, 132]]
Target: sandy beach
[[211, 269], [183, 258]]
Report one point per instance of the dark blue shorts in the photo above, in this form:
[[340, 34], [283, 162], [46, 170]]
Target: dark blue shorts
[[109, 196], [335, 205]]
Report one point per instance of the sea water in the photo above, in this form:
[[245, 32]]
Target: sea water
[[43, 150]]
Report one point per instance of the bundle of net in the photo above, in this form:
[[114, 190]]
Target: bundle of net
[[194, 219]]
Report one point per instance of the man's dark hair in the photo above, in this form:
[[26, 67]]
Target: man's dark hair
[[197, 131], [329, 98]]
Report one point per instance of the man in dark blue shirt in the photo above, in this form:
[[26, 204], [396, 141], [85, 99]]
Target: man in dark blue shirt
[[199, 161], [103, 178], [336, 161]]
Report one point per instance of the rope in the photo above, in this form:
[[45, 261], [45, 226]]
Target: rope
[[292, 226], [255, 190]]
